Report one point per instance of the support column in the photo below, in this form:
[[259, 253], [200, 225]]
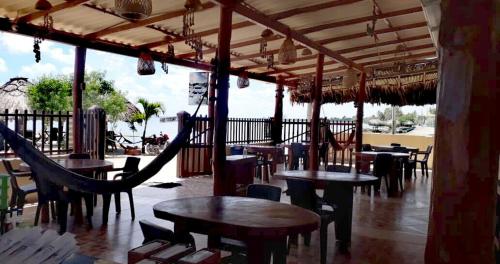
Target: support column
[[316, 94], [359, 113], [78, 87], [465, 173], [211, 106], [221, 181], [278, 112]]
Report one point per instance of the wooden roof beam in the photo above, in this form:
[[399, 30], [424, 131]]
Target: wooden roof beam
[[56, 8], [135, 24], [360, 57], [265, 21], [278, 16], [369, 63]]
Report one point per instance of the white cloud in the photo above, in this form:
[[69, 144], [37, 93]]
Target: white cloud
[[38, 69], [3, 65], [15, 43]]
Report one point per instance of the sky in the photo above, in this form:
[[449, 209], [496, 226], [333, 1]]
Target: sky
[[18, 60]]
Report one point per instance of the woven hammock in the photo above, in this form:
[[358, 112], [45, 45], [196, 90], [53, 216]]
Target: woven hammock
[[335, 144], [51, 172]]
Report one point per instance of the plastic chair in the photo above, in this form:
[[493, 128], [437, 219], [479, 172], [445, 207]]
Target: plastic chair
[[338, 168], [19, 192], [263, 191], [323, 153], [411, 165], [395, 145], [303, 194], [366, 147], [423, 162], [87, 197], [298, 152], [131, 167], [381, 168]]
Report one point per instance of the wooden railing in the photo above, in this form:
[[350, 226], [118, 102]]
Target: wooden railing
[[248, 130], [49, 131]]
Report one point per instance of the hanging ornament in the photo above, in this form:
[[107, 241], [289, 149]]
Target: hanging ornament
[[164, 66], [134, 9], [265, 35], [243, 81], [270, 61], [400, 66], [47, 26], [43, 5], [306, 52], [170, 51], [370, 29], [349, 79], [193, 4], [145, 64], [36, 49], [287, 53]]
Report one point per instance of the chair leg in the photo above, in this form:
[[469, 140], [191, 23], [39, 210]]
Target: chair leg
[[131, 200], [89, 206], [37, 214], [386, 183], [62, 216], [53, 210], [426, 170], [118, 205], [422, 167], [323, 233], [307, 239], [20, 203], [106, 201]]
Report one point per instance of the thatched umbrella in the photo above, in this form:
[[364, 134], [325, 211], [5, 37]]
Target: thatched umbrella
[[13, 94], [131, 111]]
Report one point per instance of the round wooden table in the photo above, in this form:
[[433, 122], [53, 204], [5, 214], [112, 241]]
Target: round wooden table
[[343, 188], [254, 221]]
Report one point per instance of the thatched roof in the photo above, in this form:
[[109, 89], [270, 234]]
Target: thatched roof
[[13, 94], [416, 85], [131, 111]]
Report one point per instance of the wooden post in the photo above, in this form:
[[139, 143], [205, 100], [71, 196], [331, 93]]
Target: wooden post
[[278, 112], [465, 173], [221, 181], [78, 87], [211, 106], [316, 94], [359, 114]]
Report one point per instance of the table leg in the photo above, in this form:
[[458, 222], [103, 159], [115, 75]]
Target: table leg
[[77, 210], [343, 215], [106, 201], [255, 251]]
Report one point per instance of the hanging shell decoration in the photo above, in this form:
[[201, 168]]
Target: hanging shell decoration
[[243, 81], [349, 79], [265, 35], [270, 61], [134, 9], [287, 53], [145, 64]]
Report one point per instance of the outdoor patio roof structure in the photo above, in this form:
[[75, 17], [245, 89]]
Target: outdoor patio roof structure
[[465, 172]]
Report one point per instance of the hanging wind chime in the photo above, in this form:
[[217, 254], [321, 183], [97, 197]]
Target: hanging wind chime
[[191, 39], [170, 54], [400, 66], [145, 64], [48, 24], [370, 29], [270, 61], [265, 35]]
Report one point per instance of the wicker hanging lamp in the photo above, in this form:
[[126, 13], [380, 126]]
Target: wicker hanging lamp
[[287, 53], [43, 5], [243, 81], [349, 79], [145, 64], [134, 9]]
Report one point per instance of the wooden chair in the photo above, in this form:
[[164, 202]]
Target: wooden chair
[[238, 248], [131, 167], [303, 194], [423, 162], [18, 192]]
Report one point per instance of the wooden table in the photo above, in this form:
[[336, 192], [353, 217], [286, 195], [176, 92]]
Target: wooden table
[[389, 148], [241, 171], [80, 166], [343, 185], [257, 222]]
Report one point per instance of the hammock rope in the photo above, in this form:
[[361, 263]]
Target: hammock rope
[[50, 171], [335, 144]]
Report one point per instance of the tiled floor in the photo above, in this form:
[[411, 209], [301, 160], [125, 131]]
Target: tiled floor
[[385, 230]]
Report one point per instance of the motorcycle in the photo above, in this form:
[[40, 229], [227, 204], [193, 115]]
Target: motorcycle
[[154, 145]]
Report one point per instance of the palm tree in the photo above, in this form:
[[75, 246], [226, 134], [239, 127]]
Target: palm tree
[[150, 109]]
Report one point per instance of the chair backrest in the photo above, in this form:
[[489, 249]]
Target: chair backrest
[[366, 147], [382, 165], [131, 164], [297, 149], [151, 231], [427, 152], [79, 156], [338, 168], [263, 191], [323, 149], [10, 170], [395, 145], [236, 150], [302, 193], [400, 149]]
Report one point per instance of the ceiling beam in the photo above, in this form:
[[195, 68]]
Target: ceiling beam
[[144, 22], [280, 15], [360, 57], [342, 51], [329, 40], [370, 63], [281, 28], [56, 8]]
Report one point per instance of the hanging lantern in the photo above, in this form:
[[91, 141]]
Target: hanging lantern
[[43, 5], [349, 79], [243, 81], [195, 5], [265, 35], [145, 64], [287, 53], [306, 52], [134, 9]]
